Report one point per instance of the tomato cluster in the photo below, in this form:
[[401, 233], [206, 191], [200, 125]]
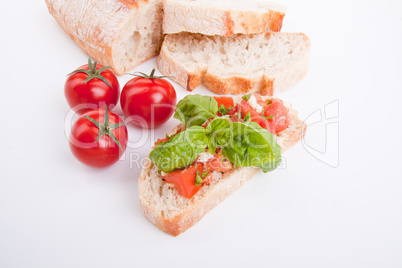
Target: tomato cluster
[[99, 137], [274, 116]]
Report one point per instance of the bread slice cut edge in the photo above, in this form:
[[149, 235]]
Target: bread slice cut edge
[[212, 60], [215, 18]]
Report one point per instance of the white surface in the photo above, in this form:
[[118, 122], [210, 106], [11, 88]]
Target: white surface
[[55, 212]]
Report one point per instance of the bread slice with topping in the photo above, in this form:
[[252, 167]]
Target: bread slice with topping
[[220, 17], [263, 63], [173, 213]]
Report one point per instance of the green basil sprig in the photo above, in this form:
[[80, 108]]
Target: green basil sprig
[[195, 110], [253, 146], [244, 144], [218, 133], [181, 150]]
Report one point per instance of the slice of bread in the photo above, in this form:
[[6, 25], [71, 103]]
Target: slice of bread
[[221, 17], [118, 33], [264, 63], [173, 213]]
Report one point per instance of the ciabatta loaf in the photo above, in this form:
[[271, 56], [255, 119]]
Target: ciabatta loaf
[[118, 33], [221, 17], [264, 63], [173, 213]]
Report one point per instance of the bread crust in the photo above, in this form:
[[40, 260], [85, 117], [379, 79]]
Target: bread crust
[[184, 16], [229, 183]]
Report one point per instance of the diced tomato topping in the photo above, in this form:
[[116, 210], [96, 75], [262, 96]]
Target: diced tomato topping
[[218, 163], [280, 115], [233, 110], [184, 180], [226, 101], [276, 117], [246, 108], [255, 116], [160, 141]]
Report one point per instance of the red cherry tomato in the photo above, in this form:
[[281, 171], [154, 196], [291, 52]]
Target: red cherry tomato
[[148, 101], [98, 138], [90, 87]]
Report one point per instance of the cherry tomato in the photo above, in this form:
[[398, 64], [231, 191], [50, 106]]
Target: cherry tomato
[[98, 138], [90, 87], [148, 101]]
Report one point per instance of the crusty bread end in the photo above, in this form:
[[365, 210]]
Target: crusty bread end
[[118, 33]]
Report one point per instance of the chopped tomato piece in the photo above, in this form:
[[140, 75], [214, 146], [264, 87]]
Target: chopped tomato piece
[[226, 101], [184, 180], [279, 114], [255, 116], [233, 110], [246, 108], [160, 141], [218, 163]]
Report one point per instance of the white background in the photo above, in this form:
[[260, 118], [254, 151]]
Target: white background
[[55, 212]]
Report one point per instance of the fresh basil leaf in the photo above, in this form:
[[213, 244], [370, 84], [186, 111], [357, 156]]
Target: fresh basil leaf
[[181, 150], [244, 144], [276, 150], [218, 131], [252, 145], [195, 110]]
